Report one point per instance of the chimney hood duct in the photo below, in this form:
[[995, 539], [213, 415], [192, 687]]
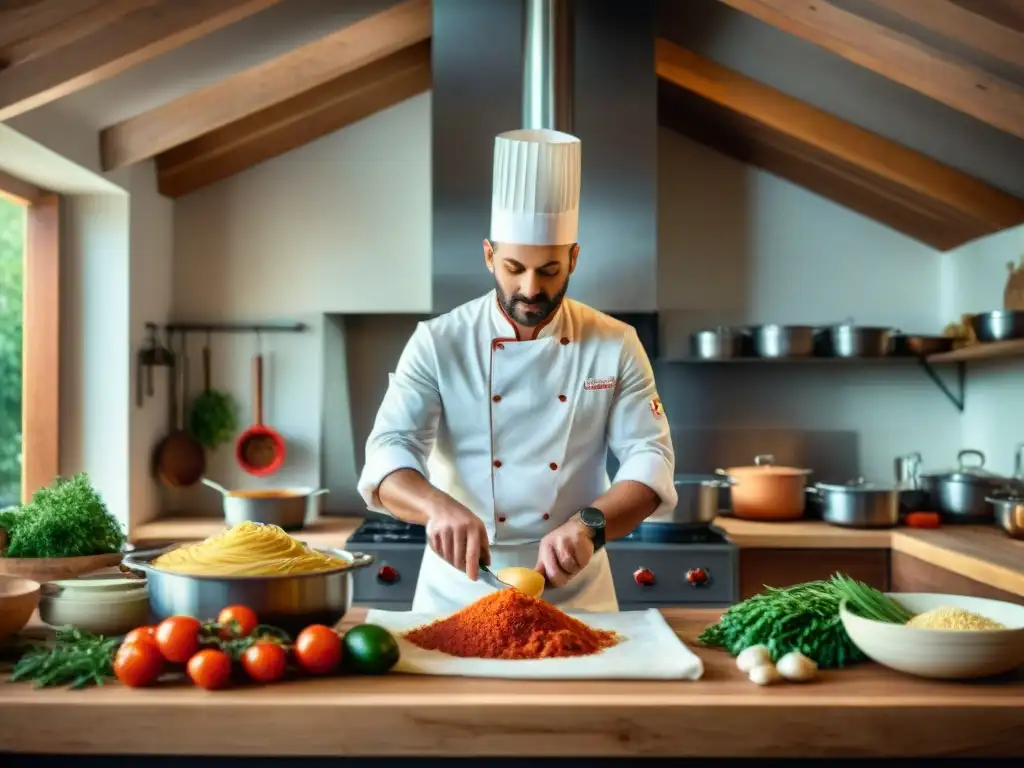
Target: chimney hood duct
[[587, 68], [547, 65]]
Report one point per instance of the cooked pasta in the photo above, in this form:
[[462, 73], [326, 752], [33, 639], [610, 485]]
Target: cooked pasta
[[247, 549]]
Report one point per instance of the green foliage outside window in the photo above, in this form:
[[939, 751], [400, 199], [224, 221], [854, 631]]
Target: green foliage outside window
[[12, 244]]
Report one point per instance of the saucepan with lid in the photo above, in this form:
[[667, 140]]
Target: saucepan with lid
[[859, 504], [960, 495], [767, 491]]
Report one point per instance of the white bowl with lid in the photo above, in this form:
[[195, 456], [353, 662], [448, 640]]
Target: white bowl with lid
[[100, 603]]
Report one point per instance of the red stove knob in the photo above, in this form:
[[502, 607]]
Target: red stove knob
[[698, 577], [387, 574], [644, 577]]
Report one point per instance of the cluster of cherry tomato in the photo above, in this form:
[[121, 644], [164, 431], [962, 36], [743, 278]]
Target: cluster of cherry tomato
[[209, 651]]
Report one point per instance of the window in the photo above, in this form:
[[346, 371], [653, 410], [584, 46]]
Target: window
[[29, 339]]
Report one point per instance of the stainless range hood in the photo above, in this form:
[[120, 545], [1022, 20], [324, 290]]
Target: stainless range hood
[[583, 67]]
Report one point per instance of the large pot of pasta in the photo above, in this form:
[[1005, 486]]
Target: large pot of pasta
[[286, 582]]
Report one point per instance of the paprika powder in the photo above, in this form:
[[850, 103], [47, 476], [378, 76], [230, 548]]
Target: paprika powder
[[511, 625]]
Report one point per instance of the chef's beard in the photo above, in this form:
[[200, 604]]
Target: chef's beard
[[513, 305]]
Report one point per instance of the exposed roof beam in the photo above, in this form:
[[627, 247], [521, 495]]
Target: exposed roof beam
[[265, 85], [140, 35], [965, 26], [295, 122], [881, 179], [897, 57]]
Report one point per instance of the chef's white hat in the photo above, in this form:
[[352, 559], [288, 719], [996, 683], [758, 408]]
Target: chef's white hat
[[536, 197]]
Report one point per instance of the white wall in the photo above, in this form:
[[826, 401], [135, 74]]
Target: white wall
[[994, 410], [340, 225]]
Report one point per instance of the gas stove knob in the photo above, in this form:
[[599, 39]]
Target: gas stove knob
[[387, 575], [698, 577], [644, 577]]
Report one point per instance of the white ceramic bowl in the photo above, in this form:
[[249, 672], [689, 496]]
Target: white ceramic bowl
[[101, 604], [942, 653]]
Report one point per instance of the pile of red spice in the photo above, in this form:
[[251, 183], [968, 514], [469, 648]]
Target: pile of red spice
[[510, 625]]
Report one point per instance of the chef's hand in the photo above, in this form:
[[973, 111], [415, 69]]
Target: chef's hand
[[457, 535], [564, 552]]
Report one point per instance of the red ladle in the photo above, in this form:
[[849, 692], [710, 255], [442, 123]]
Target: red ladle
[[259, 450]]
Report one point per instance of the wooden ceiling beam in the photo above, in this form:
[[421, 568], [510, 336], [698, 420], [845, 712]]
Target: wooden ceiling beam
[[898, 57], [965, 26], [879, 178], [295, 122], [89, 53], [261, 87]]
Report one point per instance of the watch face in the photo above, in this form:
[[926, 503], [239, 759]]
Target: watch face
[[592, 517]]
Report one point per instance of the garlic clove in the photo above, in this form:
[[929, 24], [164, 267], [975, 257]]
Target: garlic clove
[[766, 674], [754, 656]]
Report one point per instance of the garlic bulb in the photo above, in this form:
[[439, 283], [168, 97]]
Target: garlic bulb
[[797, 667], [766, 674], [754, 656]]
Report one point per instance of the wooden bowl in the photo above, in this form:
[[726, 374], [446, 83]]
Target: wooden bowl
[[43, 569], [19, 599]]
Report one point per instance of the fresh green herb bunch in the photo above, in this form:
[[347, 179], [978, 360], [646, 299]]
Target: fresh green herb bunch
[[804, 618], [67, 519], [78, 659], [213, 419]]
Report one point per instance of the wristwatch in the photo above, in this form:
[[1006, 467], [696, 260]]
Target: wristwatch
[[593, 518]]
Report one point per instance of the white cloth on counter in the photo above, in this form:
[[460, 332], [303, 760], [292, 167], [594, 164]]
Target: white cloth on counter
[[649, 650]]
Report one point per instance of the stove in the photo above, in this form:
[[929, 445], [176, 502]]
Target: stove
[[658, 565]]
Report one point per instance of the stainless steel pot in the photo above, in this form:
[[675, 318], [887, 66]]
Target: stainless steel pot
[[848, 340], [960, 495], [783, 340], [721, 343], [859, 504], [288, 508], [1001, 325], [699, 501], [1009, 513], [288, 601]]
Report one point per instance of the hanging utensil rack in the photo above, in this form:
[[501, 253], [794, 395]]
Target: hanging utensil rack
[[157, 355]]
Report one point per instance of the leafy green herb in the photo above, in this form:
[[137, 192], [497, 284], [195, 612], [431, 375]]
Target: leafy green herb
[[213, 419], [804, 618], [78, 659], [67, 519]]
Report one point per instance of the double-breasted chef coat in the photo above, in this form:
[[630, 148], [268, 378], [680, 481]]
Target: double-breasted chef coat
[[518, 431]]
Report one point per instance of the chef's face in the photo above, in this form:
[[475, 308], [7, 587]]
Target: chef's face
[[531, 280]]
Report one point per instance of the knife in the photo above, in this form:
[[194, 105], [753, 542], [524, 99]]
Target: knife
[[488, 575]]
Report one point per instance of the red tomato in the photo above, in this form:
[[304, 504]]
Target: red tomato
[[139, 663], [265, 662], [210, 669], [318, 649], [178, 638], [239, 621], [140, 634]]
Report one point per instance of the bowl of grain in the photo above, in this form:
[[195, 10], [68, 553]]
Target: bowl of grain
[[946, 637]]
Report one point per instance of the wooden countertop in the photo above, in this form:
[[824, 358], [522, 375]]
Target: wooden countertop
[[864, 711], [982, 553]]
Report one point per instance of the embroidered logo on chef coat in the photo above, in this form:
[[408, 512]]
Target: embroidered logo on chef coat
[[657, 409], [608, 383]]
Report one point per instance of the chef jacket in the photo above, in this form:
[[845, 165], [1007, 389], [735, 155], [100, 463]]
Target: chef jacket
[[518, 431]]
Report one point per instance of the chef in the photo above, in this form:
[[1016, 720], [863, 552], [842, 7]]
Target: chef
[[496, 424]]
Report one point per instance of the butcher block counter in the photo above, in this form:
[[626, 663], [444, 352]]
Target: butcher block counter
[[866, 710]]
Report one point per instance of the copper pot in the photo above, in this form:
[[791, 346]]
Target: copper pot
[[766, 491]]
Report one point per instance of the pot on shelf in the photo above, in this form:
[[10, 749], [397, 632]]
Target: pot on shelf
[[960, 495], [859, 504], [766, 491], [288, 508]]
